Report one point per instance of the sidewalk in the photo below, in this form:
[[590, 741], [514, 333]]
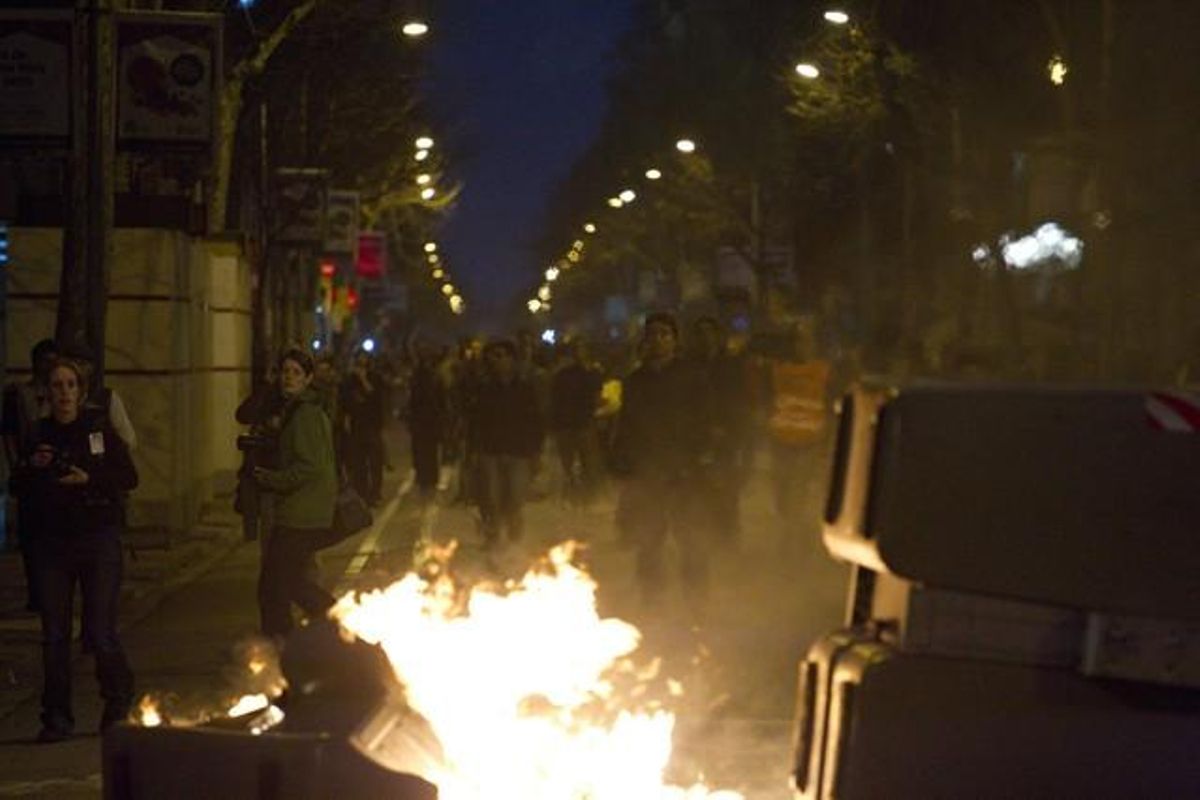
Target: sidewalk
[[152, 572]]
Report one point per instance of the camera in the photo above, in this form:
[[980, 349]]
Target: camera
[[256, 442]]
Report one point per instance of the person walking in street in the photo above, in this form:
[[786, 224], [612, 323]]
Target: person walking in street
[[507, 430], [364, 403], [798, 427], [427, 419], [574, 401], [73, 480], [663, 450], [25, 404], [304, 484], [728, 377]]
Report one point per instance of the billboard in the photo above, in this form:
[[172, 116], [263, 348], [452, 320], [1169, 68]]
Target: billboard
[[35, 76], [168, 78]]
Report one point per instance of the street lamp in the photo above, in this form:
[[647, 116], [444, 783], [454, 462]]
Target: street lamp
[[685, 146], [414, 29], [589, 227], [552, 274], [428, 194], [424, 178], [421, 155], [807, 71], [424, 143], [835, 17], [653, 174], [627, 196], [433, 258], [431, 247], [447, 289], [615, 202], [534, 305], [438, 274], [544, 293]]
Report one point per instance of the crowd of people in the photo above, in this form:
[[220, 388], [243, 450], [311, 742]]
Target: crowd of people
[[668, 426]]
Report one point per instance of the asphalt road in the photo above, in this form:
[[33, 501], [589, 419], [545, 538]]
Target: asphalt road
[[773, 596]]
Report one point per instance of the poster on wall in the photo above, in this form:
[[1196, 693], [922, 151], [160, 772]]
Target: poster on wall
[[35, 77], [168, 81]]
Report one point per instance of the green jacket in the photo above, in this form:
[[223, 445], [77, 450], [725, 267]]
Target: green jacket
[[305, 482]]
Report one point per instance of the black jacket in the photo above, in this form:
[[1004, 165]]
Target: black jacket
[[665, 429], [91, 444], [506, 419]]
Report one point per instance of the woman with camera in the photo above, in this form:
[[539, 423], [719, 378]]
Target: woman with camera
[[72, 481], [304, 483]]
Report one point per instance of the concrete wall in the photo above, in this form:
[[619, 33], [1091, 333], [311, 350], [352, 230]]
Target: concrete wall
[[178, 353]]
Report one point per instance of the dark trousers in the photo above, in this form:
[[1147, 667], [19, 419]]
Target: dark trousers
[[286, 578], [503, 485], [655, 508], [364, 464], [579, 455], [93, 561], [425, 458]]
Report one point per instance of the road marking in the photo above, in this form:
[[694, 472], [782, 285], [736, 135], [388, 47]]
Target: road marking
[[367, 547]]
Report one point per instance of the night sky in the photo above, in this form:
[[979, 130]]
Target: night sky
[[518, 89]]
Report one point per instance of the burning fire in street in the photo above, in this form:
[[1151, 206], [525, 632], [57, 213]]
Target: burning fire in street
[[527, 690]]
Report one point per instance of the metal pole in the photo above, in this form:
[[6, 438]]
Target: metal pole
[[101, 166]]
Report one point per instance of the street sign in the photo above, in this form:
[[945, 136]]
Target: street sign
[[299, 204], [168, 82], [341, 222], [35, 76]]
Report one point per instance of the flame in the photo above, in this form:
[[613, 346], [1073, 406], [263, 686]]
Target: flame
[[524, 686], [248, 704], [147, 713]]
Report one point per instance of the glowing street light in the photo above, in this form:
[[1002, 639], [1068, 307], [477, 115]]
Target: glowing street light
[[807, 71], [534, 305], [836, 17], [431, 247], [424, 178], [456, 304], [414, 29], [653, 174], [589, 227], [615, 202], [421, 155], [628, 196], [447, 289], [438, 274], [685, 146], [544, 293], [433, 258], [552, 274], [428, 193], [1057, 69], [423, 143], [577, 245]]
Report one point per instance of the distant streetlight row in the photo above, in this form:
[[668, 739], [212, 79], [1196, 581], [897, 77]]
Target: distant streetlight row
[[437, 271], [541, 301]]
